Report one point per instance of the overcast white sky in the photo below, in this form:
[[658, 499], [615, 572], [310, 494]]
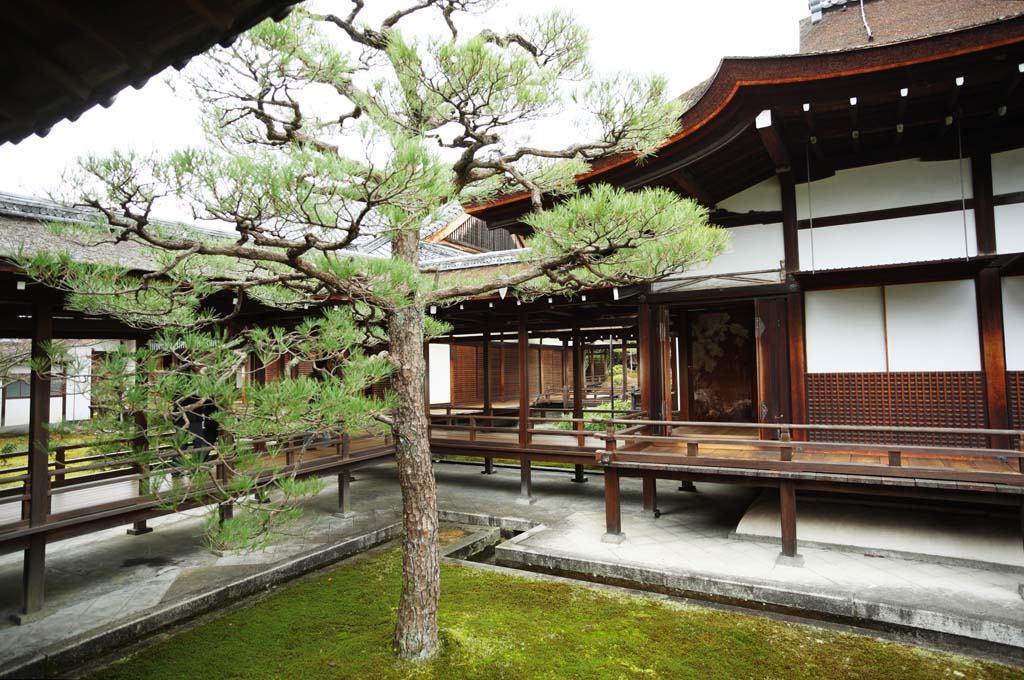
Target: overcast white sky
[[683, 39]]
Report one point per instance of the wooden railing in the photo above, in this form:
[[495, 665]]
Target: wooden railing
[[636, 441], [478, 423], [96, 470]]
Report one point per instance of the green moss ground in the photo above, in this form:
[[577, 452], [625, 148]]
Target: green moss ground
[[339, 625]]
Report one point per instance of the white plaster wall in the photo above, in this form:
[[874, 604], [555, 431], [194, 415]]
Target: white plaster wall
[[1013, 322], [762, 196], [845, 330], [1008, 171], [886, 185], [440, 373], [78, 406], [16, 413], [909, 239], [751, 248], [1009, 228], [933, 326]]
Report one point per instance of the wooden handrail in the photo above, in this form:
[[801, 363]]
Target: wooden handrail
[[822, 428]]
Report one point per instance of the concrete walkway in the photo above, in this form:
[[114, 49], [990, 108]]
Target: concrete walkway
[[109, 581]]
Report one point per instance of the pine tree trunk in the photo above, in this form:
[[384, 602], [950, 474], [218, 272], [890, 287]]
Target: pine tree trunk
[[416, 630]]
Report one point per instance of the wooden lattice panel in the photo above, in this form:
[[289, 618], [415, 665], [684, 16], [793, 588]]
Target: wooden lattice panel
[[1015, 390], [467, 373], [953, 399]]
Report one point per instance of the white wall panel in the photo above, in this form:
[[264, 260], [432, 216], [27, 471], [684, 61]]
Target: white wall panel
[[1010, 228], [909, 239], [78, 406], [1008, 171], [762, 196], [933, 326], [16, 412], [845, 330], [886, 185], [751, 248], [440, 374], [1013, 322]]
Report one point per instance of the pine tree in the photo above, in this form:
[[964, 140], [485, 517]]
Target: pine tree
[[324, 130]]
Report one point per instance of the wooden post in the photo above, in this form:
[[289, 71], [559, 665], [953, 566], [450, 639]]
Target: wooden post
[[577, 383], [787, 514], [625, 367], [226, 510], [797, 363], [785, 452], [488, 407], [612, 509], [683, 323], [772, 362], [993, 353], [984, 209], [34, 566], [139, 444], [345, 478], [650, 490], [790, 242], [565, 373], [525, 473]]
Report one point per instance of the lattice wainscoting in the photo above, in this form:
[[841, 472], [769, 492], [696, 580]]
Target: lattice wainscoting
[[1015, 390], [953, 399], [468, 377]]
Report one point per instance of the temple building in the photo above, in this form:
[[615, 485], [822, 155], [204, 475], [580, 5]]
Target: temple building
[[863, 336]]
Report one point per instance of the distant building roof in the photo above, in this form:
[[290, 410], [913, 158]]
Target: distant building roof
[[23, 229], [841, 26]]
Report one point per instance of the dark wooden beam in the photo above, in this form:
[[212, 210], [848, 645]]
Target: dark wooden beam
[[486, 350], [650, 495], [525, 473], [787, 513], [993, 354], [34, 569], [689, 185], [790, 241], [984, 210], [797, 362], [772, 140], [612, 506], [578, 386]]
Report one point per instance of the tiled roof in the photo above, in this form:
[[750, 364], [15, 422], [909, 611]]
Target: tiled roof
[[23, 229], [842, 28]]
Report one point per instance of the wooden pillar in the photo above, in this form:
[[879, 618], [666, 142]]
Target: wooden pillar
[[772, 362], [488, 408], [34, 566], [345, 478], [612, 508], [787, 514], [790, 240], [683, 320], [654, 361], [139, 444], [525, 473], [993, 352], [984, 211], [797, 363], [625, 366], [676, 404], [650, 493], [426, 385], [565, 372], [577, 380], [643, 346]]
